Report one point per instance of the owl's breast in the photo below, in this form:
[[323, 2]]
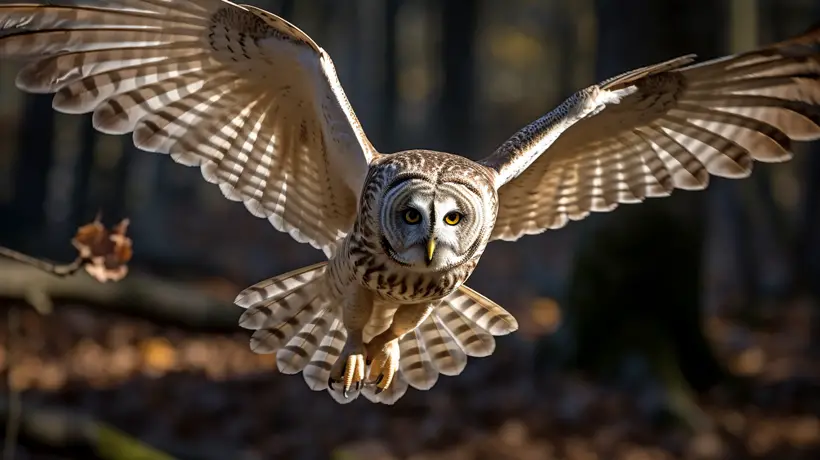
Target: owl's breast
[[394, 282]]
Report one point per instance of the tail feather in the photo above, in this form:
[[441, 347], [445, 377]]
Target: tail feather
[[291, 316], [472, 339], [278, 308], [317, 371], [482, 311], [263, 300], [338, 395], [447, 356], [295, 355], [415, 363], [277, 285], [462, 325], [275, 333], [393, 393]]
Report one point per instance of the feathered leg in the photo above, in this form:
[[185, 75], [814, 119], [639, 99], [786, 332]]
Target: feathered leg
[[383, 349]]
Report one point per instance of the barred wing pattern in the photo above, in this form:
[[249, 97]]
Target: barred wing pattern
[[237, 91], [681, 123]]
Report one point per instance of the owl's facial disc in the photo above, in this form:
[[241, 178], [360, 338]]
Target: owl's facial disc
[[430, 227]]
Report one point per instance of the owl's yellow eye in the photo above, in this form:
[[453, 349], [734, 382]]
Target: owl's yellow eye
[[452, 218], [411, 216]]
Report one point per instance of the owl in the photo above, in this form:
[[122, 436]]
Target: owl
[[257, 105]]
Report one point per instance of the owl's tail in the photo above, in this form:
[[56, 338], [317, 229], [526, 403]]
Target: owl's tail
[[462, 324], [292, 317]]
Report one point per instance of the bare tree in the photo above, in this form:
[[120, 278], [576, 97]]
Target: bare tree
[[635, 289]]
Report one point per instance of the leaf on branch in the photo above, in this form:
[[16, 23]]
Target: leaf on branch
[[105, 252]]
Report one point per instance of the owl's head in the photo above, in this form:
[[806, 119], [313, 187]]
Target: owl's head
[[431, 225]]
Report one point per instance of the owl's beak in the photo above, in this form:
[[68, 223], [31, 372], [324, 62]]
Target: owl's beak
[[431, 248]]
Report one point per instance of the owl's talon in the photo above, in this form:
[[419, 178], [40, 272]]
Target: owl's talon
[[385, 365], [349, 370]]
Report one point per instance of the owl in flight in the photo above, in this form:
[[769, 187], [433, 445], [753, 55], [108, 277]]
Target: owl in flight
[[256, 104]]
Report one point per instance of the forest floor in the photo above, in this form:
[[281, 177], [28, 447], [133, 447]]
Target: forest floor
[[206, 396]]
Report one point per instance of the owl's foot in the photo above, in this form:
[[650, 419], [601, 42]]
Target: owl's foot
[[384, 365], [349, 368]]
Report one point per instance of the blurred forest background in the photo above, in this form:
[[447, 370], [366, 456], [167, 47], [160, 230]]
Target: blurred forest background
[[679, 328]]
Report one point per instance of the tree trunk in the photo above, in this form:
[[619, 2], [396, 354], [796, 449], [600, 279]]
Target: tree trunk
[[459, 21], [34, 161], [636, 286], [82, 176], [390, 85]]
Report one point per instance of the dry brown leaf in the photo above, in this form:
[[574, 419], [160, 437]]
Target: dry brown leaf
[[106, 252]]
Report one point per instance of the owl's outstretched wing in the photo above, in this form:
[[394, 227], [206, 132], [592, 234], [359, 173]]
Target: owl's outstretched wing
[[233, 89], [654, 129]]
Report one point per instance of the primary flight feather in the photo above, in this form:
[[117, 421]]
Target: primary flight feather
[[257, 105]]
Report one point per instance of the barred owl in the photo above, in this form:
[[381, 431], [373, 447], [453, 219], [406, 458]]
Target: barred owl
[[256, 104]]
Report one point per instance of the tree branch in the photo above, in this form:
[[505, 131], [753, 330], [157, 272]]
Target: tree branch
[[60, 270], [104, 254], [138, 294]]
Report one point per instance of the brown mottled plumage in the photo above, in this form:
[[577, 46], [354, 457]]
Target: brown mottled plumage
[[257, 105]]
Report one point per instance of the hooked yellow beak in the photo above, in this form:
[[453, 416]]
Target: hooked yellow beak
[[431, 248]]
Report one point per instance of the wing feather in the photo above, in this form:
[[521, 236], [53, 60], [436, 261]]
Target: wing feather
[[679, 124], [233, 89]]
